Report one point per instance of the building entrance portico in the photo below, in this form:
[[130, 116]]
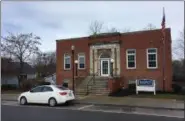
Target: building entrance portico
[[100, 59]]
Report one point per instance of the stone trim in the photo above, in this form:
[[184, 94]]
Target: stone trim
[[104, 46], [115, 54]]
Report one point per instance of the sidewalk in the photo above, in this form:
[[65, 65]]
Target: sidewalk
[[169, 104]]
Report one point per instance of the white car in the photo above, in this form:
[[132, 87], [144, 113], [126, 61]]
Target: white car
[[47, 94]]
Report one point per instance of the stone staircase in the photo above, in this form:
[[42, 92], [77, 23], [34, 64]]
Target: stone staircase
[[81, 89], [99, 87]]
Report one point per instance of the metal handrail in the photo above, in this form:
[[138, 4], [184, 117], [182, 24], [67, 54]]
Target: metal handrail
[[92, 79]]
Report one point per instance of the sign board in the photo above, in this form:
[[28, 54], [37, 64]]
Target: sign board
[[146, 85]]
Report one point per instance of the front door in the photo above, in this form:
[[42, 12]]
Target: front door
[[105, 67]]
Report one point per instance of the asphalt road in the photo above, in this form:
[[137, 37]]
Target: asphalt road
[[15, 112]]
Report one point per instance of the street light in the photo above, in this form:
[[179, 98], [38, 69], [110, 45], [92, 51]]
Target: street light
[[112, 61], [76, 63], [72, 51]]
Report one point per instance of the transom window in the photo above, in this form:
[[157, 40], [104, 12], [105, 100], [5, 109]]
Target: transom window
[[67, 61], [131, 59], [81, 61], [151, 58]]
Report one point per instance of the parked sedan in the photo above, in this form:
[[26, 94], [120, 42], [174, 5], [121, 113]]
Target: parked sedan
[[47, 94]]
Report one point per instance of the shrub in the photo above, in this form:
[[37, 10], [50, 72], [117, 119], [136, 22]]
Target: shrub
[[176, 88], [27, 85]]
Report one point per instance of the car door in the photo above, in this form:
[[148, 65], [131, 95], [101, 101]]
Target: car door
[[46, 94], [34, 96]]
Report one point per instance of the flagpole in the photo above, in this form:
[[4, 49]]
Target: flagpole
[[164, 59], [164, 47]]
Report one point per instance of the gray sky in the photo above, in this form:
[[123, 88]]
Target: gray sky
[[53, 20]]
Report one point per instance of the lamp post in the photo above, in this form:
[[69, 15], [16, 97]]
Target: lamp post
[[112, 61], [76, 66], [72, 51]]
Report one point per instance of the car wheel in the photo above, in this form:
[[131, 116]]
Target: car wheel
[[23, 101], [52, 102]]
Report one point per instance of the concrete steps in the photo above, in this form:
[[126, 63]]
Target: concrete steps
[[99, 88]]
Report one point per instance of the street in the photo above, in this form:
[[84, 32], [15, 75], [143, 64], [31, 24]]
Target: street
[[11, 111]]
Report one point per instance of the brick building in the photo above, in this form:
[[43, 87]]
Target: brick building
[[133, 55]]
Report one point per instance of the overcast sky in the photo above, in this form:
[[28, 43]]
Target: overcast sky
[[58, 20]]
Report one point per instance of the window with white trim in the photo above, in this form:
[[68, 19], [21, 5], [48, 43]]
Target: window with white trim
[[131, 59], [67, 61], [81, 61], [151, 58]]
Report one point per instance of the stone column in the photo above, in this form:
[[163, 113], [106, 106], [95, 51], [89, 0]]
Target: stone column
[[91, 60], [113, 57], [118, 60], [115, 60], [95, 61]]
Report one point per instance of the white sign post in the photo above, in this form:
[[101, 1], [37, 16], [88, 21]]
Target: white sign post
[[146, 85]]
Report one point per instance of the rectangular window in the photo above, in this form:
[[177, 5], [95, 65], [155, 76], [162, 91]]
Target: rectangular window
[[67, 62], [81, 61], [151, 58], [131, 59]]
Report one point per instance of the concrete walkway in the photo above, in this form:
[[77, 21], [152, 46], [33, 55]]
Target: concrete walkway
[[169, 104]]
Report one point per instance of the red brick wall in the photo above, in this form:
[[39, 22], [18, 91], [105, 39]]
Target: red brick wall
[[134, 40], [114, 84], [140, 42], [65, 47]]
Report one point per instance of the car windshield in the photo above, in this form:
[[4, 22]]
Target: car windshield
[[62, 88]]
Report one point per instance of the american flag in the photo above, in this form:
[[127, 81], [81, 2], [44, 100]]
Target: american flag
[[163, 23]]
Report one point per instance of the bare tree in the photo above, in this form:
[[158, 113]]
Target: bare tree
[[126, 30], [181, 43], [45, 63], [179, 50], [20, 47], [181, 46], [150, 27], [95, 27], [112, 30]]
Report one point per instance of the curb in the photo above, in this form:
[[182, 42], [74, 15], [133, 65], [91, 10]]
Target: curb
[[116, 105], [128, 106]]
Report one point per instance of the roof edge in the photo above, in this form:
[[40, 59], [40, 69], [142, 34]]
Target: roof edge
[[101, 34]]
